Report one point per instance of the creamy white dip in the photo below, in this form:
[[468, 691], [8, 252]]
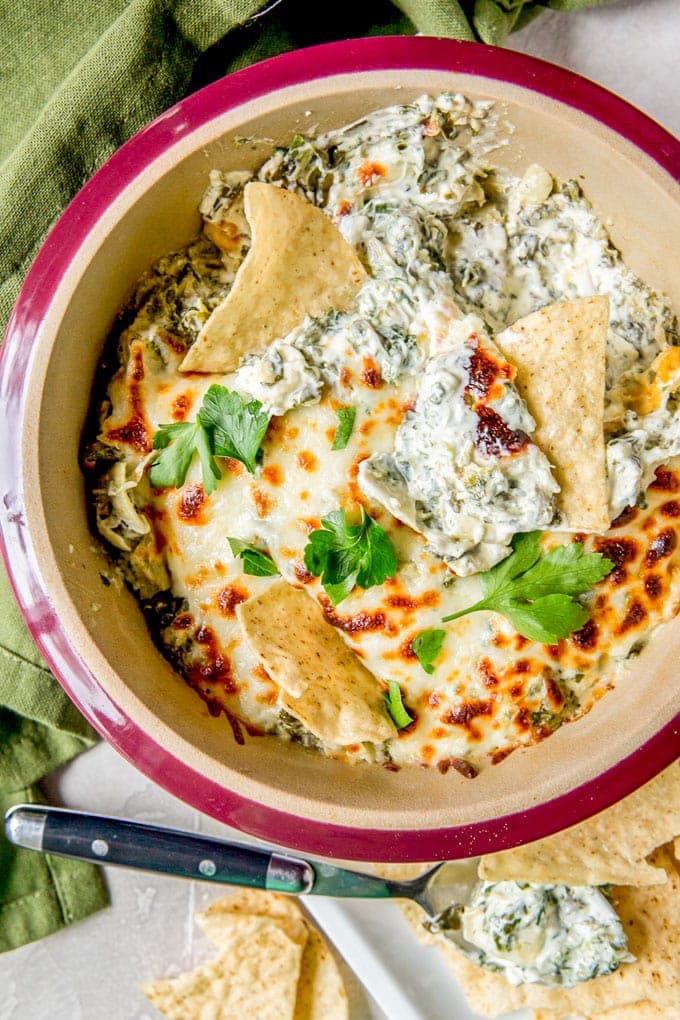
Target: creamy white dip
[[553, 935]]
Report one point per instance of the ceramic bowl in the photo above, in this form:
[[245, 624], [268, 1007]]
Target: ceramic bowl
[[142, 204]]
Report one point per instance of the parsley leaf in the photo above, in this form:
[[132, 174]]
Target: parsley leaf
[[344, 555], [395, 705], [225, 427], [427, 646], [255, 562], [236, 429], [535, 591], [345, 416], [179, 441]]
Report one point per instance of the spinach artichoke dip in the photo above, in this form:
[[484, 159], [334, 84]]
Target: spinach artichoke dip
[[386, 452], [554, 935]]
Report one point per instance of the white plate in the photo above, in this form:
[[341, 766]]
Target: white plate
[[408, 981]]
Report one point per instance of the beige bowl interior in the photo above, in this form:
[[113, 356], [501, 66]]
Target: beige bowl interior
[[158, 214]]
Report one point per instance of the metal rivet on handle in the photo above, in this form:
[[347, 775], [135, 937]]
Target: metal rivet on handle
[[207, 868]]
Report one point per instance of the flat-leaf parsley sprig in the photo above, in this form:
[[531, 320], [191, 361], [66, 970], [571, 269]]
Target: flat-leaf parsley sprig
[[344, 555], [226, 426], [255, 562], [427, 645], [179, 442], [536, 592], [236, 428]]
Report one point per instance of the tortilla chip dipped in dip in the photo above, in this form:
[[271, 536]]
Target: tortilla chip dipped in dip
[[649, 917], [299, 264], [559, 352], [323, 683]]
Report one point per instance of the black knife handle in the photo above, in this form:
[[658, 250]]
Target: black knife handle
[[154, 848]]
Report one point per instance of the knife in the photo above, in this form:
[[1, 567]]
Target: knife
[[125, 843]]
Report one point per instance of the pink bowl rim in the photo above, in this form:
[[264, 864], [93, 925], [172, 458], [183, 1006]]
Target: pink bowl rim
[[350, 56]]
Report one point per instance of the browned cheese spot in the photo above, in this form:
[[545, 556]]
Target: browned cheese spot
[[273, 474], [229, 598], [662, 546], [460, 765], [636, 614], [371, 376], [191, 504], [181, 406], [262, 501], [307, 460]]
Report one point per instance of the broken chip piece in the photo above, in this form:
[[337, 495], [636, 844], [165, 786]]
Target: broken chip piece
[[255, 973], [321, 993], [272, 964]]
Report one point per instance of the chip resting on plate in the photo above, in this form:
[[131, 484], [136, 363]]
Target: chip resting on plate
[[272, 964], [559, 353], [323, 683], [611, 847], [649, 915], [299, 264], [321, 993], [222, 917], [255, 974]]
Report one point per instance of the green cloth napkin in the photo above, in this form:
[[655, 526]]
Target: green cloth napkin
[[39, 730], [77, 78]]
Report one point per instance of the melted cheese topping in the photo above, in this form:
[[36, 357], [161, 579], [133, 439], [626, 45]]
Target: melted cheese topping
[[492, 690]]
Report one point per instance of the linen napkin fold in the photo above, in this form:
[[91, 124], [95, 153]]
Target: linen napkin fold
[[77, 78], [39, 730]]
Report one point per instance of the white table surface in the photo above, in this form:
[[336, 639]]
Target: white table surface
[[92, 969]]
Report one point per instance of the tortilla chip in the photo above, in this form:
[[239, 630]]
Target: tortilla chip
[[222, 919], [321, 993], [639, 1011], [650, 918], [252, 902], [323, 683], [609, 848], [633, 1011], [299, 264], [321, 990], [559, 353], [400, 872], [254, 975]]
